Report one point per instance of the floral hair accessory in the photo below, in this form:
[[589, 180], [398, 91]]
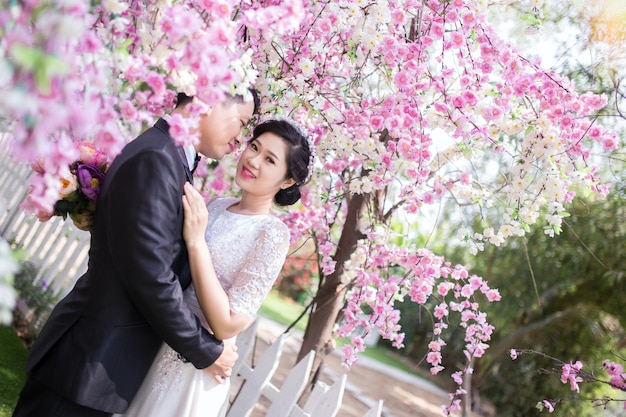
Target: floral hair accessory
[[302, 131]]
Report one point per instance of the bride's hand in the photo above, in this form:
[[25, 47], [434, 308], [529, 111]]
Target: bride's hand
[[222, 368], [196, 216]]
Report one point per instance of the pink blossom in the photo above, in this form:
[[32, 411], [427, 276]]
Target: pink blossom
[[167, 26], [377, 123], [398, 16], [402, 79], [569, 374], [358, 344], [615, 371], [458, 39], [618, 381], [469, 19], [436, 345], [43, 215], [128, 110], [441, 107], [393, 123], [491, 113], [458, 101], [434, 370], [467, 291], [466, 178], [458, 377], [437, 30], [326, 248], [611, 368], [349, 355], [476, 282], [155, 81], [428, 198], [325, 25], [452, 15], [222, 9], [467, 315], [434, 358], [595, 132], [609, 144], [548, 404], [493, 295], [443, 288]]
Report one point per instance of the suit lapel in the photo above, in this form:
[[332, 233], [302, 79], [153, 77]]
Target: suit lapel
[[183, 157]]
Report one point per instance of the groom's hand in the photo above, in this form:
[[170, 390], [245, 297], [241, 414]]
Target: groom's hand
[[223, 366]]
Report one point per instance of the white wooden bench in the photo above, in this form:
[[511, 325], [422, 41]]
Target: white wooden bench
[[251, 382]]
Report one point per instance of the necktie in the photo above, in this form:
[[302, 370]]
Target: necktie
[[195, 163]]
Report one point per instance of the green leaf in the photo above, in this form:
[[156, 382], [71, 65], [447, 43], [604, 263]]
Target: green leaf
[[25, 56], [529, 129], [352, 51], [531, 19], [123, 48], [43, 66]]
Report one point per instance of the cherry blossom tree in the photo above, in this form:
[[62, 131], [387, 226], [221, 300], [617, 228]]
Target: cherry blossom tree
[[415, 103], [574, 375], [411, 104]]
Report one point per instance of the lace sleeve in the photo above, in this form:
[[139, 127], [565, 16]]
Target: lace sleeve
[[263, 264]]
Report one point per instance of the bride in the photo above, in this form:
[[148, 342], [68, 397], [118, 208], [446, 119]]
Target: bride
[[234, 264]]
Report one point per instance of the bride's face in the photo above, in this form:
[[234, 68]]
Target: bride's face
[[262, 167]]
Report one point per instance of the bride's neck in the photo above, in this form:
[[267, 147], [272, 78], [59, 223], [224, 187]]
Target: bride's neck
[[252, 205]]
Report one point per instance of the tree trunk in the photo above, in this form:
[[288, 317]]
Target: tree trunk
[[328, 301]]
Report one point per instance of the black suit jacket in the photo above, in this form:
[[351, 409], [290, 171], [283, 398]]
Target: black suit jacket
[[100, 340]]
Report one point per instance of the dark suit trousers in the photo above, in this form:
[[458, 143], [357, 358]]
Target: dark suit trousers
[[37, 400]]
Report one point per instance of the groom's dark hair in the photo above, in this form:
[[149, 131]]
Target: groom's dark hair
[[182, 99]]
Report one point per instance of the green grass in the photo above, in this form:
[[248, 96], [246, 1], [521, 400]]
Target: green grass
[[285, 311], [12, 362]]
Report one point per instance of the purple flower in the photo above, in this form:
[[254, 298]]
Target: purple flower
[[89, 179]]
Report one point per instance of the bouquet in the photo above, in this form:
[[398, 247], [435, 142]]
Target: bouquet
[[80, 186]]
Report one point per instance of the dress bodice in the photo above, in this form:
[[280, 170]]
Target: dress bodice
[[248, 252]]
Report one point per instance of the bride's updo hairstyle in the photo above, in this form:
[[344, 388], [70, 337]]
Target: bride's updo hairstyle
[[300, 155]]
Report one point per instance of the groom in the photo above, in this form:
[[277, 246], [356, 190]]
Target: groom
[[99, 341]]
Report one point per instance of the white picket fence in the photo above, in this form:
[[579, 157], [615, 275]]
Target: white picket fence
[[60, 253], [250, 383], [56, 247]]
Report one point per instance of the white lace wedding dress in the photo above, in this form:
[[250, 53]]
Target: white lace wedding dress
[[248, 252]]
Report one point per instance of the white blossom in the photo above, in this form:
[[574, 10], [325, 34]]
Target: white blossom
[[355, 186], [366, 185], [307, 67], [114, 6]]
